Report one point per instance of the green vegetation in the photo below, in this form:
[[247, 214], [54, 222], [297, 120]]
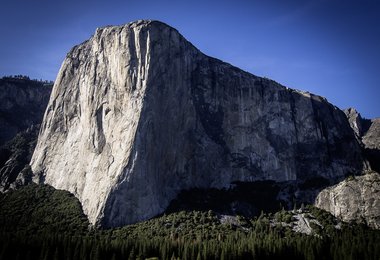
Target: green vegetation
[[283, 216], [39, 222], [40, 209]]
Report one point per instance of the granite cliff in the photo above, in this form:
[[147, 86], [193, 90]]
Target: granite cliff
[[355, 199], [138, 114]]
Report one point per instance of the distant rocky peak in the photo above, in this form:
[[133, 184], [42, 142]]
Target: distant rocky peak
[[355, 120], [367, 132]]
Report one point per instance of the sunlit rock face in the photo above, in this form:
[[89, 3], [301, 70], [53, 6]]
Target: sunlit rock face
[[355, 199], [371, 137], [138, 114], [356, 121]]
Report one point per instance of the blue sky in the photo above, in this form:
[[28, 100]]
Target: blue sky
[[328, 47]]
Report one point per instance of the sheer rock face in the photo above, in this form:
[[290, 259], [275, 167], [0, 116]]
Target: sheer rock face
[[138, 114], [354, 199]]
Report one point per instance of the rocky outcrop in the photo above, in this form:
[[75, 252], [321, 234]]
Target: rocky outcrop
[[15, 156], [368, 135], [355, 120], [138, 114], [371, 137], [355, 199], [22, 104], [368, 131], [371, 142]]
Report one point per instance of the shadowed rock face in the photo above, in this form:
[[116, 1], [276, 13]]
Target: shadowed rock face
[[15, 157], [368, 135], [22, 104], [138, 114]]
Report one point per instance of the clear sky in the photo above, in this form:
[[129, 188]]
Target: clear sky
[[328, 47]]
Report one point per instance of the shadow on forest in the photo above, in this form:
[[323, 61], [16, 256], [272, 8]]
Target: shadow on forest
[[249, 199]]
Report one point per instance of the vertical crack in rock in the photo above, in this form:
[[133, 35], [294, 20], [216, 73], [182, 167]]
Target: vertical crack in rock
[[99, 139]]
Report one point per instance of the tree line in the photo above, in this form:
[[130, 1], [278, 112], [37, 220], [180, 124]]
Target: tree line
[[39, 222]]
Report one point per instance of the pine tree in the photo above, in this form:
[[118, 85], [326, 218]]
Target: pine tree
[[132, 255], [199, 255]]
